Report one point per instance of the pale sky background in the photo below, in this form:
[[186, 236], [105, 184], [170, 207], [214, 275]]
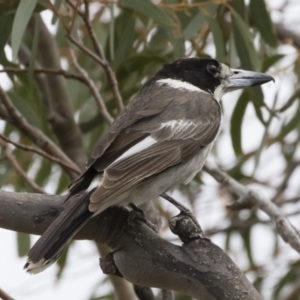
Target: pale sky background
[[83, 273]]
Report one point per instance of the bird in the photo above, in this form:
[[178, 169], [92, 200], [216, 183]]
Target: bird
[[159, 140]]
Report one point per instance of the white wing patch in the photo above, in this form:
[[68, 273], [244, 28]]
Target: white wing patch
[[180, 128], [181, 85], [144, 144], [96, 182]]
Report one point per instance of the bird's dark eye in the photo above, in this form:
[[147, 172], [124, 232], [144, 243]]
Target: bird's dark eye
[[212, 69]]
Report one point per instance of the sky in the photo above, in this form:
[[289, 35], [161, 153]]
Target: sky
[[82, 274]]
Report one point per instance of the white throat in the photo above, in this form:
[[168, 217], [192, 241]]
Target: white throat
[[218, 93]]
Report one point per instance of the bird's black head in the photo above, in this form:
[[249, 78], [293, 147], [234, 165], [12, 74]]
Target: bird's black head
[[209, 75], [199, 72]]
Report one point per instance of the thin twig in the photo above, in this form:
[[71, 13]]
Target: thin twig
[[74, 16], [56, 12], [40, 152], [240, 225], [287, 231], [288, 174], [86, 50], [186, 5], [91, 85], [281, 202], [110, 74], [36, 135], [5, 296], [46, 71], [19, 169]]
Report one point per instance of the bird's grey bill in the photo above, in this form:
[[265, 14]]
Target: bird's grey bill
[[241, 79]]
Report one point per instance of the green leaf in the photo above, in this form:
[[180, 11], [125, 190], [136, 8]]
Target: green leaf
[[146, 7], [125, 22], [246, 236], [233, 52], [26, 109], [112, 33], [22, 16], [34, 48], [270, 61], [62, 184], [43, 173], [57, 4], [289, 278], [257, 98], [239, 7], [261, 18], [236, 123], [193, 26], [23, 241], [6, 22], [288, 127], [244, 43], [62, 262], [177, 42], [218, 37]]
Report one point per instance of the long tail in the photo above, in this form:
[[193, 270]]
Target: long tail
[[55, 239]]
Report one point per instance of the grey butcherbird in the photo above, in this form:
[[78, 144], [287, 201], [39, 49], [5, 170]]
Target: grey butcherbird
[[161, 139]]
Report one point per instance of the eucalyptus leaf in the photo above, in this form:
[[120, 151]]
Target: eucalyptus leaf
[[22, 16], [218, 37], [236, 123], [262, 20], [244, 43], [23, 241], [146, 7], [6, 22]]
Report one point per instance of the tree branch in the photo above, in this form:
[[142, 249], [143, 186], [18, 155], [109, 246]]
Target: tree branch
[[62, 72], [42, 153], [123, 289], [249, 198], [37, 136], [110, 74], [92, 87], [5, 296], [285, 34], [198, 268], [61, 113], [19, 169]]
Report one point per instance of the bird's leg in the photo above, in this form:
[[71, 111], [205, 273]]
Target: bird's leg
[[183, 210], [182, 225], [140, 215]]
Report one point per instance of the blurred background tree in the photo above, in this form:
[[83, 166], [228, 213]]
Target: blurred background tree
[[68, 68]]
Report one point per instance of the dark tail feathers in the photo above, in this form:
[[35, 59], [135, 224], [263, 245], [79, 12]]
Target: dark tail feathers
[[54, 240]]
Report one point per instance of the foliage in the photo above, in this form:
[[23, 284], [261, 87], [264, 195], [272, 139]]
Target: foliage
[[137, 38]]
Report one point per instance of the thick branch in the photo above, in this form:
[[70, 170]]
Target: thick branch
[[286, 34], [198, 268], [248, 197], [123, 289], [61, 113]]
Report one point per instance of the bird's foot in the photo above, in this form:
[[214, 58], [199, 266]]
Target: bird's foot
[[140, 215], [185, 225]]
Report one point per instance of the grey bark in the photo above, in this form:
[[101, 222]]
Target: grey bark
[[60, 110], [198, 268]]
